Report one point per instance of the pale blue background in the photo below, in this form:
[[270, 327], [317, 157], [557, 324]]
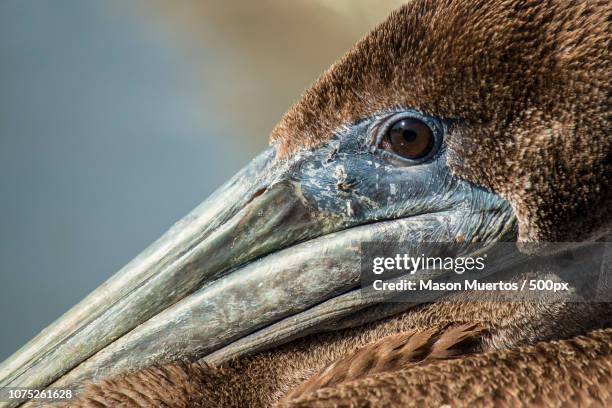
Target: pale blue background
[[101, 150]]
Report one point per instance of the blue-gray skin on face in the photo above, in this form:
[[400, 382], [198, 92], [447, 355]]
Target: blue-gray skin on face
[[277, 247]]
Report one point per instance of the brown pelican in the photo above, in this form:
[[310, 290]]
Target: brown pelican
[[451, 121]]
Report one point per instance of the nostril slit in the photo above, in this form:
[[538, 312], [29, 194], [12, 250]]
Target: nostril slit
[[257, 194]]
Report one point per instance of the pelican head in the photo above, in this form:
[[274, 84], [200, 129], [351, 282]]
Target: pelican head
[[450, 122]]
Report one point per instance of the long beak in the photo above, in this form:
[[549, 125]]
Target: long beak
[[259, 252]]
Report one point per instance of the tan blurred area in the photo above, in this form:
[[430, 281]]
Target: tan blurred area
[[267, 51]]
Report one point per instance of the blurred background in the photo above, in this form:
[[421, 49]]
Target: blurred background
[[117, 118]]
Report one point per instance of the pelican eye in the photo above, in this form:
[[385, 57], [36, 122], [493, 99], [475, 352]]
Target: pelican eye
[[409, 138]]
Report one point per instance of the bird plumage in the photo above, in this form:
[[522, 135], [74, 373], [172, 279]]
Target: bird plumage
[[566, 373]]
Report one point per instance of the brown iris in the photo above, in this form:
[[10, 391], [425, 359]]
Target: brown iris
[[410, 138]]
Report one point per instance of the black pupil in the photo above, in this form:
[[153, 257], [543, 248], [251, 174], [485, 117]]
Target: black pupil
[[409, 138], [409, 135]]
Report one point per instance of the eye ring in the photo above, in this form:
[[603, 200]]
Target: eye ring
[[408, 138]]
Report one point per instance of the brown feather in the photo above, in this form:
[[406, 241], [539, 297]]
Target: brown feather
[[393, 353], [567, 373]]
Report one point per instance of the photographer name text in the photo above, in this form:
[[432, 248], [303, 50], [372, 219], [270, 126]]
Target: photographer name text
[[470, 285]]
